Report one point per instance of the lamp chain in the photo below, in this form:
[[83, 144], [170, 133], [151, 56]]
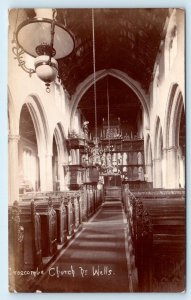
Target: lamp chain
[[94, 71], [108, 114], [52, 34], [16, 21]]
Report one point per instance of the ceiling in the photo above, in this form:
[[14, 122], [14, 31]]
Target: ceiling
[[125, 39]]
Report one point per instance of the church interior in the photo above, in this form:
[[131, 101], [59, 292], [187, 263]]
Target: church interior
[[96, 114]]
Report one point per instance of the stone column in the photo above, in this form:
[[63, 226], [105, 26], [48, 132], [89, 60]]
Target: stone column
[[149, 172], [42, 169], [172, 168], [182, 172], [13, 168], [157, 180], [164, 168], [61, 176], [49, 178]]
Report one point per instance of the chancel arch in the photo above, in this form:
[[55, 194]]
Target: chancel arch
[[132, 84]]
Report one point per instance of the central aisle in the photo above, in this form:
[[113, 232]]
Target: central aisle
[[95, 261]]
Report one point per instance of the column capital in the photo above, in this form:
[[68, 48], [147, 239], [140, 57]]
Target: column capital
[[156, 159], [14, 137], [44, 154], [175, 148], [148, 165]]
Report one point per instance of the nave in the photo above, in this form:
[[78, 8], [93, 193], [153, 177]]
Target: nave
[[98, 256], [97, 153], [88, 242]]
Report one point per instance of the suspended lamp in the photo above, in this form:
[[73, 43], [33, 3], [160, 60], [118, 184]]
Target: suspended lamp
[[44, 39], [96, 150], [98, 154]]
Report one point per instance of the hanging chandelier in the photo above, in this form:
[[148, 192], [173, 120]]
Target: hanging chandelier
[[111, 166], [44, 39], [96, 153]]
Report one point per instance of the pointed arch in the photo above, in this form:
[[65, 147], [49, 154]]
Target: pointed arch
[[148, 159], [40, 122], [158, 161], [60, 140], [42, 132], [88, 82], [158, 139], [174, 108], [148, 149]]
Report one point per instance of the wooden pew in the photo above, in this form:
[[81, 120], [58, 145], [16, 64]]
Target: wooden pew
[[84, 203], [48, 222], [18, 235], [31, 223], [90, 196], [60, 206], [16, 247], [70, 216], [54, 219], [69, 210], [167, 210], [141, 231], [76, 212]]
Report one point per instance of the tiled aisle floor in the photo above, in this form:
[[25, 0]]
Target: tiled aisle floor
[[95, 261]]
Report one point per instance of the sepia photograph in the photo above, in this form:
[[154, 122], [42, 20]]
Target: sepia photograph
[[96, 150]]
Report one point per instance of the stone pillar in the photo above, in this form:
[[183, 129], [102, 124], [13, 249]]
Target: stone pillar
[[13, 168], [49, 177], [61, 176], [172, 168], [165, 168], [42, 169], [149, 172], [20, 162], [157, 178], [182, 172]]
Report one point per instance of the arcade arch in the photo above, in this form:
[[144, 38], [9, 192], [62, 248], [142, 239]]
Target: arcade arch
[[60, 158], [158, 161], [175, 138]]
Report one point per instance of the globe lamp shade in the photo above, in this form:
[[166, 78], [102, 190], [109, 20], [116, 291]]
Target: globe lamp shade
[[34, 33], [45, 68]]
